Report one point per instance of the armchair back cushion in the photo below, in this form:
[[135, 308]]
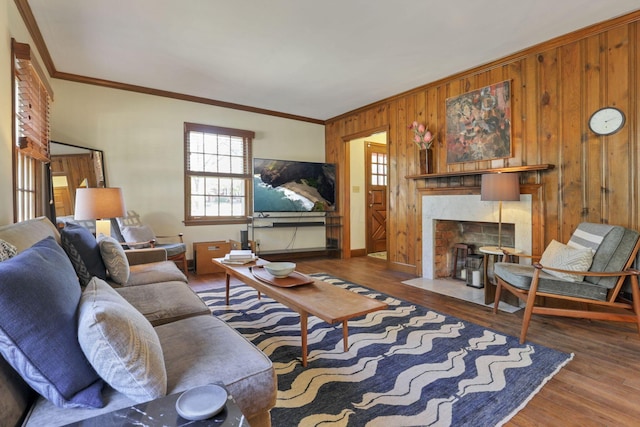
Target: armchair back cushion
[[612, 254], [138, 233]]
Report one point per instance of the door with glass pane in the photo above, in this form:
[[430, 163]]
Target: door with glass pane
[[376, 170]]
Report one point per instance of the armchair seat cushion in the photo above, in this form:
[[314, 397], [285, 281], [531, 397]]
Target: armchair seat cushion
[[520, 276], [172, 249]]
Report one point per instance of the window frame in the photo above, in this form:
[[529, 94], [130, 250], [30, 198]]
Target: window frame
[[246, 176]]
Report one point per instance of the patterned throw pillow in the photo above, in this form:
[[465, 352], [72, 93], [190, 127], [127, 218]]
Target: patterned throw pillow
[[7, 250], [115, 259], [83, 251], [39, 297], [120, 343], [559, 255]]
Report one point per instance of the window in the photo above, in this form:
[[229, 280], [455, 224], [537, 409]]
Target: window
[[217, 174], [31, 98], [378, 168]]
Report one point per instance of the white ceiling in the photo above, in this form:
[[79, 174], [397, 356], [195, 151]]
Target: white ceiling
[[311, 58]]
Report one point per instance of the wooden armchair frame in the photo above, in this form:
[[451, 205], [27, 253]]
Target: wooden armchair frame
[[615, 304], [180, 258], [133, 219]]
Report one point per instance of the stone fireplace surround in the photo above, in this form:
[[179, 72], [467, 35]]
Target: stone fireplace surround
[[468, 207]]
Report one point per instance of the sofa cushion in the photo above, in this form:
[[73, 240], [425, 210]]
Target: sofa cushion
[[199, 350], [164, 302], [120, 343], [115, 259], [155, 272], [564, 257], [39, 296], [83, 251], [204, 349], [7, 250], [27, 233]]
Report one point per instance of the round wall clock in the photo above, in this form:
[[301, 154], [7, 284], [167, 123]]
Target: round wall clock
[[606, 121]]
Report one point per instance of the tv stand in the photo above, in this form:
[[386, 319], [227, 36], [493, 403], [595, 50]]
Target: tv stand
[[259, 226]]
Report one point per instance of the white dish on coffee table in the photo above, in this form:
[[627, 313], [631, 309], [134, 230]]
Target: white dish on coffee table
[[202, 402]]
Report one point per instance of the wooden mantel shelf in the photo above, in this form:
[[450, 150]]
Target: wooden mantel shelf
[[529, 168]]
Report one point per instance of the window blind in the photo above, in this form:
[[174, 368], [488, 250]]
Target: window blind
[[32, 105]]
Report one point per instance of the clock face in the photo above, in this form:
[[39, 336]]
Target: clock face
[[606, 121]]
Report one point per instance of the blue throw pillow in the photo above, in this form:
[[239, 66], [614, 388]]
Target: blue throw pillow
[[39, 298], [83, 251]]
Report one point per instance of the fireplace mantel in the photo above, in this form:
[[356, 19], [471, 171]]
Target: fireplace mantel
[[530, 168]]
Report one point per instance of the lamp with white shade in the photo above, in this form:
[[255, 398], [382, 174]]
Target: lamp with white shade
[[100, 204], [500, 187]]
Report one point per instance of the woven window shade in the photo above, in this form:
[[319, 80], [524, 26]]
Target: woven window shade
[[32, 109]]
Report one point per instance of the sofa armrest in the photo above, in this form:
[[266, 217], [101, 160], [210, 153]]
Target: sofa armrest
[[145, 256]]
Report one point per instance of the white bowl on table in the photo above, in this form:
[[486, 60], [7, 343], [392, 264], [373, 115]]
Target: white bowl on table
[[280, 270]]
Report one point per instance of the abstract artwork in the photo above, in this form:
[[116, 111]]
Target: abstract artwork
[[479, 124]]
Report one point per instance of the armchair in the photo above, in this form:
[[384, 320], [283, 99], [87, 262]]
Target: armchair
[[133, 233], [592, 270]]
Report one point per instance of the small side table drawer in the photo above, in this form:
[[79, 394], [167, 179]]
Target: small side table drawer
[[204, 251]]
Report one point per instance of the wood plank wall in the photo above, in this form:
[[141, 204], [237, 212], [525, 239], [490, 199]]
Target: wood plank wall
[[556, 86]]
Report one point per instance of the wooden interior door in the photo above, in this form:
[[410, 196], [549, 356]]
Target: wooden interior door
[[62, 201], [376, 161]]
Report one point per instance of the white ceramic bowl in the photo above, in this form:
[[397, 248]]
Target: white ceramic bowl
[[280, 269]]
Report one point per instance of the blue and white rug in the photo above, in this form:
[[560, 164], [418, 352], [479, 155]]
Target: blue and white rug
[[406, 365]]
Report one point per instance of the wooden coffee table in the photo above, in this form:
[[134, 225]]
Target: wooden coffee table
[[321, 299]]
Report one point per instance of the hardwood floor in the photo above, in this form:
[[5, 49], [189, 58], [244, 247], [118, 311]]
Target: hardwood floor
[[599, 387]]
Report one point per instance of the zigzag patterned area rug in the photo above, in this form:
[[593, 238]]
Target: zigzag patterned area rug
[[406, 365]]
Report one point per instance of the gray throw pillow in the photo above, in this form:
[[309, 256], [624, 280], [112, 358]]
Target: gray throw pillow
[[138, 234], [120, 343], [115, 259], [564, 257]]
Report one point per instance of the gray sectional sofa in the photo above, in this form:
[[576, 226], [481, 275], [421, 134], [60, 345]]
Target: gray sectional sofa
[[184, 345]]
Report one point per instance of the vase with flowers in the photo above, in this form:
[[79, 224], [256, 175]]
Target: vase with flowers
[[423, 138]]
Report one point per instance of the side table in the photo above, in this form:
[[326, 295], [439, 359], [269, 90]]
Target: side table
[[492, 253], [162, 412]]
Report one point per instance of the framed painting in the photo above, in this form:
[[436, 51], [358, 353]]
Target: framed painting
[[479, 124]]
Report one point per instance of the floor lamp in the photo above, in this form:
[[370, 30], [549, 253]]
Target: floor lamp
[[500, 187], [100, 204]]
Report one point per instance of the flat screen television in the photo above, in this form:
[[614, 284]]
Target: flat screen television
[[293, 186]]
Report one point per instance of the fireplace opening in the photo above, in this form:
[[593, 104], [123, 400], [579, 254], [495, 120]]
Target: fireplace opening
[[474, 234]]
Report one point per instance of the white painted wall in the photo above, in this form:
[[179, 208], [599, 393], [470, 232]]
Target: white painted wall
[[142, 139]]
